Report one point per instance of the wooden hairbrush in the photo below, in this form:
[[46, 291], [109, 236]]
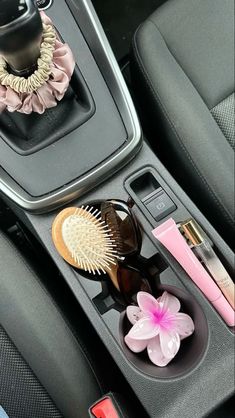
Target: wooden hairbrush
[[85, 241]]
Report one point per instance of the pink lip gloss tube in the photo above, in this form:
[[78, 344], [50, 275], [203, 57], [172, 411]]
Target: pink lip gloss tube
[[169, 235]]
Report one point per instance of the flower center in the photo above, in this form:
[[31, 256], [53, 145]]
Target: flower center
[[162, 318]]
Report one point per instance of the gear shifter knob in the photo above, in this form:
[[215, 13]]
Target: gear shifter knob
[[20, 35]]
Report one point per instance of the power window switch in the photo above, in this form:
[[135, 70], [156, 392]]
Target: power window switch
[[159, 204]]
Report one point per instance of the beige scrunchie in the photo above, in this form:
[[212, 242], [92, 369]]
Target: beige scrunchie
[[41, 74]]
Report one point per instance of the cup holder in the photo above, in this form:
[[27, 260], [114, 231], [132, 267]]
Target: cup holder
[[192, 348]]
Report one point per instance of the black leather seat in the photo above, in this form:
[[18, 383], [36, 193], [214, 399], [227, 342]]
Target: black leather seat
[[45, 372], [183, 73]]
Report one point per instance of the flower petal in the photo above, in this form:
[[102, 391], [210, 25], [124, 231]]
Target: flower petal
[[183, 325], [170, 302], [144, 329], [135, 345], [155, 352], [147, 302], [170, 343], [133, 314]]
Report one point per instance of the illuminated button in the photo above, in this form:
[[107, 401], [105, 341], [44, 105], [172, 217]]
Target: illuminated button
[[104, 409]]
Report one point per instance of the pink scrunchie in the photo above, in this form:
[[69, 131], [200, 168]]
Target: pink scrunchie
[[52, 91]]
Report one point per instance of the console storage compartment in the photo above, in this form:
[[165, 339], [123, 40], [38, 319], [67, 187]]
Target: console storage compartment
[[206, 357]]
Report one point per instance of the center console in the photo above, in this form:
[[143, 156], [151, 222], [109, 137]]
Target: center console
[[103, 156], [49, 159]]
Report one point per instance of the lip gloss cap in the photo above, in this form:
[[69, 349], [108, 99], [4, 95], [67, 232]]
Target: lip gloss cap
[[192, 232]]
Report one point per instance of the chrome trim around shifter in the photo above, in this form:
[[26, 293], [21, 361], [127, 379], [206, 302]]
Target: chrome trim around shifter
[[113, 76]]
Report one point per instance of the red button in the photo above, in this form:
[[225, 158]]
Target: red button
[[104, 409]]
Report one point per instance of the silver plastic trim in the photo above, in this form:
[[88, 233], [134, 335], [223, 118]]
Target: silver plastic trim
[[111, 72], [47, 7]]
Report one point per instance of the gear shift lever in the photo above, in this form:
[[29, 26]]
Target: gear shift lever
[[53, 99], [20, 35], [35, 66]]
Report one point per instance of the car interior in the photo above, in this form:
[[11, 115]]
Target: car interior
[[117, 209]]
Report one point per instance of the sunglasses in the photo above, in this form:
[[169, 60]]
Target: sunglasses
[[122, 222], [124, 226]]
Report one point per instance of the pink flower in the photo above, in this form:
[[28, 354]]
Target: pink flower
[[158, 326]]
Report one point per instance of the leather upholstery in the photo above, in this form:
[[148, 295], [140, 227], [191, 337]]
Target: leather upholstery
[[35, 326], [183, 66]]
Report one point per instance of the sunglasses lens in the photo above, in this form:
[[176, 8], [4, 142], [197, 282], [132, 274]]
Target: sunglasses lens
[[123, 227], [131, 282]]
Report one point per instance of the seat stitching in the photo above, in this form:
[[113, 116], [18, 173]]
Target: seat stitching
[[190, 79], [158, 100]]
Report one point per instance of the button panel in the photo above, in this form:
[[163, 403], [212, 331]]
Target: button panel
[[159, 204]]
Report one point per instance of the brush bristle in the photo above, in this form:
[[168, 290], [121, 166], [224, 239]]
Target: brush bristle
[[108, 214], [89, 240]]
